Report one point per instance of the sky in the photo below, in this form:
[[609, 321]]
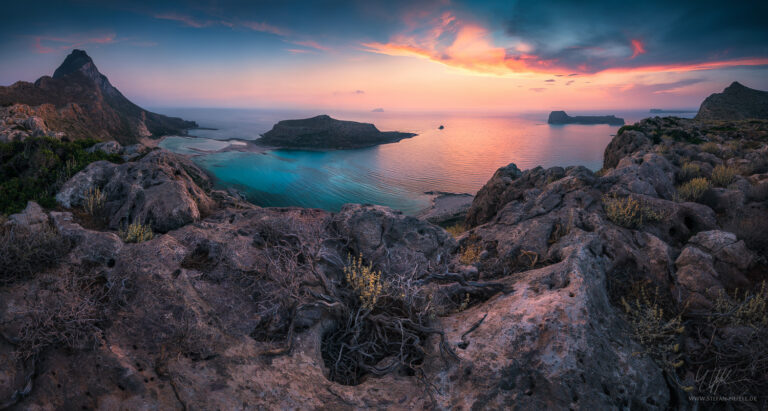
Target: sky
[[400, 55]]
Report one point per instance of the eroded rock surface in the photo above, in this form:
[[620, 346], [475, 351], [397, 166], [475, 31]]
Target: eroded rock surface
[[233, 306]]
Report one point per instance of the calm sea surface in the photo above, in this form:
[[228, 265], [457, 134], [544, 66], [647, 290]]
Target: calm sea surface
[[459, 158]]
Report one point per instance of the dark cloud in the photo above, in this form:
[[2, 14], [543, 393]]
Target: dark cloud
[[595, 35]]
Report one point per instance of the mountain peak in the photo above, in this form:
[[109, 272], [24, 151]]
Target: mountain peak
[[74, 61]]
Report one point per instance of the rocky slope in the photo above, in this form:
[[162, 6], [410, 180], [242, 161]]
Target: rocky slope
[[79, 102], [561, 117], [569, 290], [736, 102], [324, 132]]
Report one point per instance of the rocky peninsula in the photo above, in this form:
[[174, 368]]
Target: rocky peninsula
[[560, 117], [146, 288], [324, 132], [79, 102]]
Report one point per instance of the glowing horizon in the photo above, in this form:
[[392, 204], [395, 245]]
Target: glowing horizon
[[431, 56]]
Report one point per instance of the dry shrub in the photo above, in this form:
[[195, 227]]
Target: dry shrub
[[136, 233], [456, 230], [629, 212], [470, 252], [689, 171], [364, 280], [694, 189], [26, 251], [658, 330], [94, 201], [68, 316], [722, 175], [384, 336], [711, 148], [733, 344]]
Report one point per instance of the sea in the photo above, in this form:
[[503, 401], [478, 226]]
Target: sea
[[459, 158]]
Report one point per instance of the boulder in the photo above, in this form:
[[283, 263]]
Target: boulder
[[163, 190]]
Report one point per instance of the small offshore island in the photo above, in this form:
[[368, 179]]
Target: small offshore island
[[561, 117], [323, 132]]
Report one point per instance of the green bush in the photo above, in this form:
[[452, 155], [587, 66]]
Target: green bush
[[694, 189], [35, 169]]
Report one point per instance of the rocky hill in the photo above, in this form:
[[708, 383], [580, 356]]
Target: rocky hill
[[79, 102], [567, 289], [561, 117], [736, 102], [324, 132]]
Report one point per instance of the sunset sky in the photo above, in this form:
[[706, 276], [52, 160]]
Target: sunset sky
[[398, 54]]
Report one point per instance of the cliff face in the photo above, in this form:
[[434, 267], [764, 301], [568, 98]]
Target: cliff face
[[324, 132], [736, 102], [81, 102]]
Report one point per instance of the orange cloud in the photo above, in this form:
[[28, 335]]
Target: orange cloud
[[637, 48], [682, 67]]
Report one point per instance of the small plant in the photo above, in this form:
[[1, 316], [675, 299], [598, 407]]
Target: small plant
[[722, 176], [456, 230], [364, 280], [94, 201], [25, 252], [657, 330], [136, 233], [629, 212], [748, 309], [694, 189], [711, 148], [689, 170], [470, 253]]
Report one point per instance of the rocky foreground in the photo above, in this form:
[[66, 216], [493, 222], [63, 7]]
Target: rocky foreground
[[568, 289]]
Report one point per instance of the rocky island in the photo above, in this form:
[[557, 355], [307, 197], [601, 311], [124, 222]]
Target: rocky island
[[138, 285], [560, 117], [324, 132], [79, 102]]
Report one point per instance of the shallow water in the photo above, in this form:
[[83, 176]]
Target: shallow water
[[459, 158]]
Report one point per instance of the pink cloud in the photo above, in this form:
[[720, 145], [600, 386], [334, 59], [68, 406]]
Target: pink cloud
[[49, 44], [264, 27], [637, 48], [310, 44], [187, 20]]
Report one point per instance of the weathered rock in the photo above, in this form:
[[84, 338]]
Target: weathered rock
[[163, 190], [625, 143], [109, 147], [736, 102], [392, 241], [712, 262], [32, 216]]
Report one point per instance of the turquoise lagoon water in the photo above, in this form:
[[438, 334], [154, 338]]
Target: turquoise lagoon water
[[459, 159]]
